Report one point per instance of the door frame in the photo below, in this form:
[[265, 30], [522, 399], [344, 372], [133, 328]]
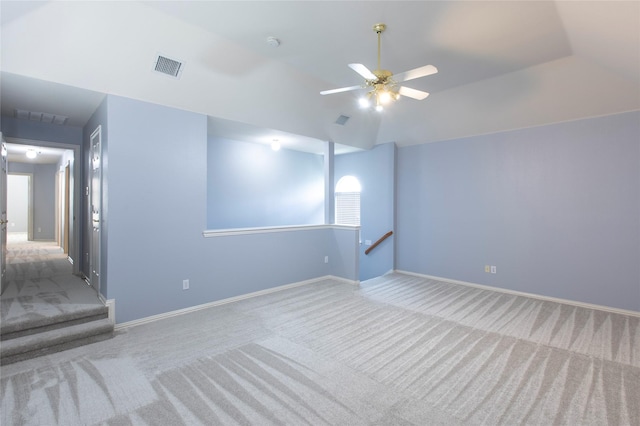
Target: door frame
[[76, 214], [66, 208], [63, 220], [4, 168], [94, 226]]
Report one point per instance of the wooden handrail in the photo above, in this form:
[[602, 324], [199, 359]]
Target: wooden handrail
[[374, 245]]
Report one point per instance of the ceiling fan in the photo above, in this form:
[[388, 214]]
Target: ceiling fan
[[383, 83]]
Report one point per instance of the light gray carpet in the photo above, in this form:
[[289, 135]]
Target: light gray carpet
[[398, 350], [40, 286]]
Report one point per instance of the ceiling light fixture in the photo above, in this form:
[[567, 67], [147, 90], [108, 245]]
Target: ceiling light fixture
[[275, 145], [383, 85], [384, 88], [31, 153]]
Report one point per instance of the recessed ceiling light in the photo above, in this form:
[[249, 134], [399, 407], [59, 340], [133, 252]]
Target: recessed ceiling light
[[31, 153]]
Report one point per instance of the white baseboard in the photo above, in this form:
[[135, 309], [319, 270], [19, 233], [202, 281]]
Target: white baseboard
[[522, 293], [344, 280], [225, 301]]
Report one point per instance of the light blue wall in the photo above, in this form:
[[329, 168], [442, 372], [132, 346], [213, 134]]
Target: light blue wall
[[44, 202], [44, 178], [157, 203], [375, 169], [250, 185], [344, 253], [555, 208]]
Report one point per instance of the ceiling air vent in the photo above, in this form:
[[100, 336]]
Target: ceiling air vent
[[342, 120], [168, 66], [43, 117]]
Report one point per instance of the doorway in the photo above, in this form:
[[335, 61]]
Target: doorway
[[54, 187], [19, 207]]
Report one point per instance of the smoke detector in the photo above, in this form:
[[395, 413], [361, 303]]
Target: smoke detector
[[273, 42]]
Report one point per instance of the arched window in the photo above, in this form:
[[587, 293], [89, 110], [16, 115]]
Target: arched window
[[348, 201]]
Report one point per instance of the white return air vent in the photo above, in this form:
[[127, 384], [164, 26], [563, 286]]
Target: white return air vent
[[342, 120], [171, 67], [43, 117]]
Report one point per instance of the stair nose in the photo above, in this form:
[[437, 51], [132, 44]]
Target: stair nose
[[12, 330], [34, 345]]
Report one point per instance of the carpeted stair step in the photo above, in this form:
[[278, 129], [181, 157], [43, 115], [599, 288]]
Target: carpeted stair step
[[47, 323], [55, 340]]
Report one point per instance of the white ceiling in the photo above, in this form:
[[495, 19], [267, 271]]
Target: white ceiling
[[502, 65]]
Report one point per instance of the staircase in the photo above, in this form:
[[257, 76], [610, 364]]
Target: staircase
[[30, 339], [44, 307]]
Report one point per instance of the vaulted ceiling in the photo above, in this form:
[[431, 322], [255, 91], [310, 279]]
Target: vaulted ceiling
[[502, 64]]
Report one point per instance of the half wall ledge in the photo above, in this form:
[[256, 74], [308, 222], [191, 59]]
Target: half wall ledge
[[213, 233]]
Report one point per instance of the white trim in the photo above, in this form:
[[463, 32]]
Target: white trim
[[111, 305], [344, 280], [212, 233], [525, 294], [170, 314]]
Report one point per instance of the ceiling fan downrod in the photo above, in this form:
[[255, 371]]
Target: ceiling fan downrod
[[379, 28]]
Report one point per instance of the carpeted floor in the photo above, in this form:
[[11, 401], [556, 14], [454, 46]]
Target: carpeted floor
[[40, 285], [398, 350]]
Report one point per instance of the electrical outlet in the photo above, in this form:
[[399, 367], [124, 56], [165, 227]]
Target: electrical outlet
[[185, 284], [367, 242], [326, 259], [487, 268], [493, 269]]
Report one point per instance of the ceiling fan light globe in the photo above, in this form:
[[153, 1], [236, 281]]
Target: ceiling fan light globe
[[379, 108], [384, 97], [364, 102]]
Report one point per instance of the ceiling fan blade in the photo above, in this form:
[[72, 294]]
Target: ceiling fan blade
[[363, 71], [412, 93], [415, 73], [342, 89]]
